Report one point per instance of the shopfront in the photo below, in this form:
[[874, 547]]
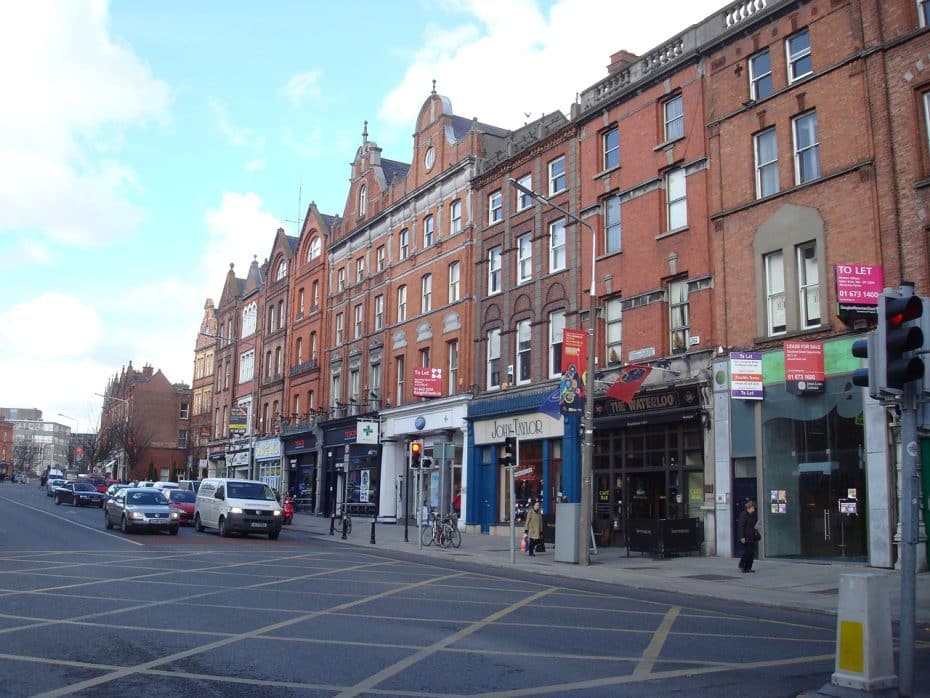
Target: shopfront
[[822, 491], [301, 457], [352, 470], [649, 459], [268, 463], [239, 458], [539, 469]]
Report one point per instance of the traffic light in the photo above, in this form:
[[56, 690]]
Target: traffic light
[[510, 451], [899, 334], [890, 347], [416, 451]]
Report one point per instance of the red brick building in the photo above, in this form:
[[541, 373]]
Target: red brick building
[[202, 391]]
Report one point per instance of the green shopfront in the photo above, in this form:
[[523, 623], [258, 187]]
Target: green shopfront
[[816, 463]]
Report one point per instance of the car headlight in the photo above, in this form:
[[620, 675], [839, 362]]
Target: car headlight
[[276, 512], [235, 510], [175, 515], [136, 515]]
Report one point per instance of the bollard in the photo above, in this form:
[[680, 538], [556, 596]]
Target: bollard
[[864, 659], [332, 525], [372, 531], [345, 527]]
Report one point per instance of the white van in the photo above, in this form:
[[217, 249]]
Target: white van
[[243, 506]]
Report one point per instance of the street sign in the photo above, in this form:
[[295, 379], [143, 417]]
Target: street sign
[[521, 473]]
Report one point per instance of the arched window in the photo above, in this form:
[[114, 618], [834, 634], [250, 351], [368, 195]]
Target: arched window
[[281, 271], [300, 350], [315, 248], [362, 200]]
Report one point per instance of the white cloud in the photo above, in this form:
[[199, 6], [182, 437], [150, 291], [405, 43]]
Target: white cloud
[[238, 230], [302, 86], [51, 325], [254, 165], [541, 60], [69, 91], [308, 146], [237, 136]]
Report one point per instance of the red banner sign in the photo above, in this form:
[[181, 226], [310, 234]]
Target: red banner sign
[[427, 382]]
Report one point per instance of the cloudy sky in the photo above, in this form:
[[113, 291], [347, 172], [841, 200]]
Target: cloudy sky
[[145, 146]]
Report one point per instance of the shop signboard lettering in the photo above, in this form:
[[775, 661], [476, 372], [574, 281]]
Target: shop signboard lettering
[[528, 426]]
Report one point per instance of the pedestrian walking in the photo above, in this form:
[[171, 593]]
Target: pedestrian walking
[[748, 535], [534, 528]]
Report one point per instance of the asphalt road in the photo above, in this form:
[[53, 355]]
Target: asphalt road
[[85, 611]]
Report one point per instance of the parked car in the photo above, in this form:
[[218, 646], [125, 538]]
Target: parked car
[[100, 483], [191, 485], [183, 502], [143, 508], [79, 494], [165, 486], [52, 485]]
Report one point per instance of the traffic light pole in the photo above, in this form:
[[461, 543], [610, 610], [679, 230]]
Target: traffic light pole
[[910, 451]]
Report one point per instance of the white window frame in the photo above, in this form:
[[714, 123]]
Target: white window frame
[[399, 379], [374, 379], [429, 228], [809, 293], [359, 269], [358, 321], [404, 239], [524, 258], [797, 56], [453, 363], [362, 200], [401, 303], [455, 217], [341, 279], [556, 335], [673, 113], [558, 181], [336, 389], [613, 331], [756, 76], [340, 328], [249, 319], [281, 271], [246, 366], [613, 226], [426, 293], [314, 249], [379, 312], [495, 207], [557, 253], [611, 150], [524, 352], [801, 151], [493, 374], [676, 199], [524, 201], [494, 270], [455, 282], [775, 301], [379, 258], [766, 164], [679, 320]]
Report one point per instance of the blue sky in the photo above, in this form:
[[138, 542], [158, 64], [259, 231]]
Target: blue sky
[[145, 146]]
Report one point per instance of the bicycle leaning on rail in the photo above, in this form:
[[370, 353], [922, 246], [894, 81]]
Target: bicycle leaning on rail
[[443, 530]]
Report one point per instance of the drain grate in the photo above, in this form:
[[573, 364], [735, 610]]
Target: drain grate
[[710, 577]]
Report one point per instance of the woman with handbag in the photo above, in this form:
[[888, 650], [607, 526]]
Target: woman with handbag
[[748, 535], [534, 528]]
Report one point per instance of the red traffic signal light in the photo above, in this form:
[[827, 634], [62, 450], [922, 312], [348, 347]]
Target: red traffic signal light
[[899, 335]]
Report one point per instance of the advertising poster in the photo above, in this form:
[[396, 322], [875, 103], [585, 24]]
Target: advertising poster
[[574, 361], [804, 372], [858, 287], [746, 375], [427, 382]]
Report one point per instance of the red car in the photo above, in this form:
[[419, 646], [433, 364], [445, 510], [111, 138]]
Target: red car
[[182, 501], [100, 483]]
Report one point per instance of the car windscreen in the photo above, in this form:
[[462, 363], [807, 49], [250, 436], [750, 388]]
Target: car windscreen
[[84, 487], [250, 490], [145, 498], [182, 496]]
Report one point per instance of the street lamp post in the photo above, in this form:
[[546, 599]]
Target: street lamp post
[[587, 449], [116, 474]]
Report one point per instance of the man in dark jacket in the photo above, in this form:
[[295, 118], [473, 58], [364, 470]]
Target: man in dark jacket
[[746, 531]]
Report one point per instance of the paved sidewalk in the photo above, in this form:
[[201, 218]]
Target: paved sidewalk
[[780, 583]]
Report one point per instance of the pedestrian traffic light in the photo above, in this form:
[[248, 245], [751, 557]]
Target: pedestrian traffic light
[[416, 451], [510, 451]]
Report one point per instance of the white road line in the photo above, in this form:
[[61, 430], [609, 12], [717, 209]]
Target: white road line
[[75, 523]]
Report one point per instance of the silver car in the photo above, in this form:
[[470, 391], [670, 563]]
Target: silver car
[[140, 508], [52, 485]]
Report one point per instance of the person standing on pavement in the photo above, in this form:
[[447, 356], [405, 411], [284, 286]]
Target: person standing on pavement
[[748, 535], [534, 528]]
